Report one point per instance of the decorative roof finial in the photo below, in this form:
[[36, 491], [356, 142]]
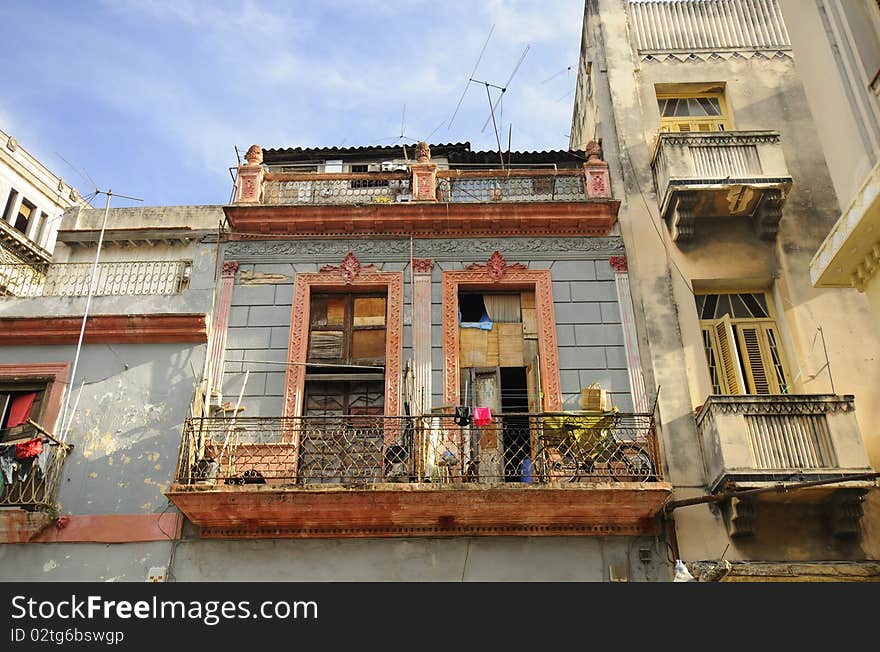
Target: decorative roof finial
[[254, 155], [423, 152], [593, 150]]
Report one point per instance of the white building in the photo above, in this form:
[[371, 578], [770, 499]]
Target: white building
[[32, 199]]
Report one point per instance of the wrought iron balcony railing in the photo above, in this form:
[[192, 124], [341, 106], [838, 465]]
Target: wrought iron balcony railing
[[117, 278], [38, 488], [511, 185], [350, 188], [358, 450]]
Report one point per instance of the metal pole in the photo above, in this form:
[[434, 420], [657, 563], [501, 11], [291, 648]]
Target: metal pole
[[827, 361], [82, 330]]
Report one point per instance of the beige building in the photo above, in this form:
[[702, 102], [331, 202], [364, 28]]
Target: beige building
[[837, 43], [32, 200], [726, 197]]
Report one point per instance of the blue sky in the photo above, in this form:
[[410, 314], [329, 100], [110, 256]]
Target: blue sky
[[149, 98]]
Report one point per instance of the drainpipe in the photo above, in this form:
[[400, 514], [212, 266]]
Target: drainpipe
[[781, 487]]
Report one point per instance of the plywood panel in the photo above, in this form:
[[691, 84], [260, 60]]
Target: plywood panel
[[530, 323], [527, 300], [473, 345], [368, 344], [369, 311], [510, 345]]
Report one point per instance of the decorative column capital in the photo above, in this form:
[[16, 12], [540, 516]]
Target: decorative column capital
[[229, 268], [422, 265], [618, 264]]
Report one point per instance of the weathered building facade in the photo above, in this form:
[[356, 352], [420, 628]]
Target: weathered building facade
[[417, 365], [725, 198], [837, 43]]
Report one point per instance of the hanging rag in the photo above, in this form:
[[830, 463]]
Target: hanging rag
[[29, 449], [20, 409], [43, 460], [7, 464], [462, 415], [482, 416], [23, 468]]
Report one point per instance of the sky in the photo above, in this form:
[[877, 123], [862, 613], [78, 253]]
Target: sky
[[150, 98]]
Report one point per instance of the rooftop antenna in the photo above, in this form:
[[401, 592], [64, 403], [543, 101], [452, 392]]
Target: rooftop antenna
[[84, 175], [492, 115], [92, 287], [237, 154], [468, 83], [556, 74], [504, 88]]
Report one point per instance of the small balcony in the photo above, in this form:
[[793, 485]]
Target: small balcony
[[751, 442], [701, 176], [154, 277], [30, 485], [359, 476]]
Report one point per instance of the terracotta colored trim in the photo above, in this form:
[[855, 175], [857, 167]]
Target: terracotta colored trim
[[111, 329], [219, 324], [538, 280], [568, 509], [297, 350], [112, 528], [56, 373], [428, 220]]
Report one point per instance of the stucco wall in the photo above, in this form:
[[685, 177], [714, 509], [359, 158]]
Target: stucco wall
[[127, 427], [590, 336], [563, 559]]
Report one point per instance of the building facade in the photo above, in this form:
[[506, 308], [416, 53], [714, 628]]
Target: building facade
[[404, 363], [837, 44], [726, 197], [33, 199]]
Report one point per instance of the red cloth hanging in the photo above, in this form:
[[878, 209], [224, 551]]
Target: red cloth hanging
[[20, 410], [482, 416], [28, 449]]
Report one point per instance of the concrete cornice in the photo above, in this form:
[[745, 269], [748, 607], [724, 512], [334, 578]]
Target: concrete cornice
[[850, 255]]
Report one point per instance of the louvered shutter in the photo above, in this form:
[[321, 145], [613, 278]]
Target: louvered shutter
[[728, 357]]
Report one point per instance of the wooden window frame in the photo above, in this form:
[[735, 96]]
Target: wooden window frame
[[367, 282], [726, 333], [348, 327], [725, 120], [54, 375], [538, 281]]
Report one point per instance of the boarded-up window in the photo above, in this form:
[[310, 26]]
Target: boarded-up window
[[347, 329]]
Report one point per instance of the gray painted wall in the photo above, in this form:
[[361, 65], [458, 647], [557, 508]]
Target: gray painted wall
[[127, 427], [590, 335], [580, 559]]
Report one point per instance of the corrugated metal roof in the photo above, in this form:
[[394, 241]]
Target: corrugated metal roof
[[455, 153]]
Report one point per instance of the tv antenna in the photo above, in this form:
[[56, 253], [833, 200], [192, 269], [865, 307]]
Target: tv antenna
[[468, 83], [65, 421], [503, 90]]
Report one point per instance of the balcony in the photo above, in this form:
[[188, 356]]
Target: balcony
[[751, 442], [362, 476], [34, 495], [159, 277], [700, 176]]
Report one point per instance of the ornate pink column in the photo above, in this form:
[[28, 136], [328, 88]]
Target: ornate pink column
[[630, 337], [424, 175], [219, 325], [421, 333], [249, 184], [597, 180]]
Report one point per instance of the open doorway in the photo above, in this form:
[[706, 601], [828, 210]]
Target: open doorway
[[515, 429]]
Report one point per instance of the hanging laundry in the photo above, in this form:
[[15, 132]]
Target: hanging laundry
[[23, 468], [29, 449], [7, 464], [482, 416], [43, 460], [462, 415], [20, 409]]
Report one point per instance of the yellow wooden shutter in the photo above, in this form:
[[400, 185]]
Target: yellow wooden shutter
[[762, 358], [728, 357]]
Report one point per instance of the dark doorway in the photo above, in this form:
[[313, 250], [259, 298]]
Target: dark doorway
[[515, 400]]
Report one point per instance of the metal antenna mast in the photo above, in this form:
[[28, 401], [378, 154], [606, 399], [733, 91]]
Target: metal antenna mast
[[92, 287]]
